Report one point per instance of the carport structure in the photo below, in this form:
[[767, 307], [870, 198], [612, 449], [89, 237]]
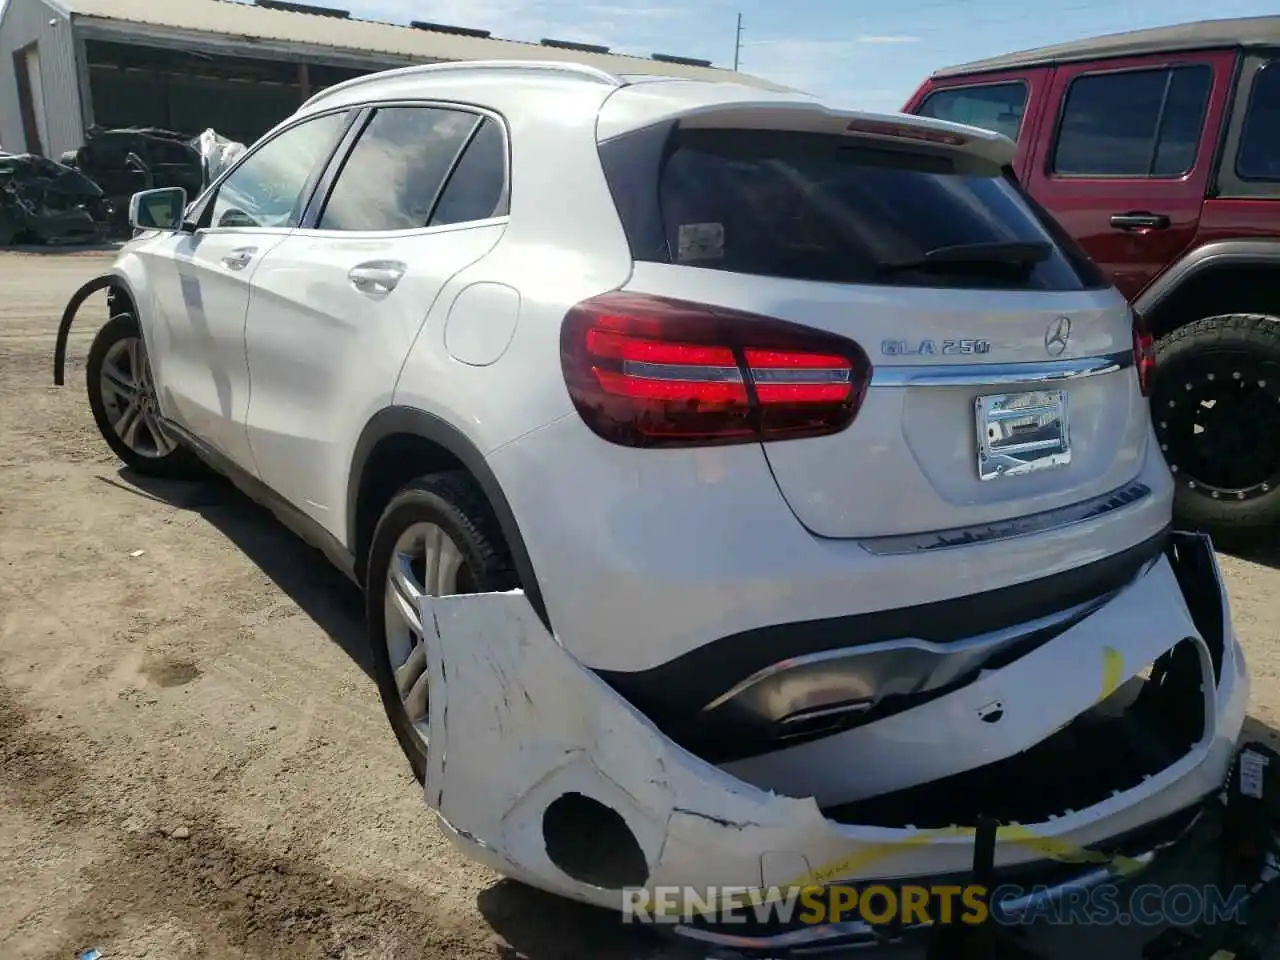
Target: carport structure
[[238, 67]]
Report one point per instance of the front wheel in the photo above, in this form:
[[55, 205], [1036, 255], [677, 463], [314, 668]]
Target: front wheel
[[122, 397], [437, 537], [1215, 404]]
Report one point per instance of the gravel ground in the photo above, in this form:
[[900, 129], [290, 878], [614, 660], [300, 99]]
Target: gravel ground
[[194, 760]]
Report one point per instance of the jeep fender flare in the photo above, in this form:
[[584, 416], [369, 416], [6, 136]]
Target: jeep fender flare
[[408, 420], [1210, 256], [106, 281]]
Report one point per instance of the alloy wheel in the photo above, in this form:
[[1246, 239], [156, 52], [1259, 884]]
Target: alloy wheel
[[425, 562], [129, 398]]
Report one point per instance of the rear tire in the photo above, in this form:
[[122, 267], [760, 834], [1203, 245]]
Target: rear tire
[[1215, 404], [123, 400], [442, 515]]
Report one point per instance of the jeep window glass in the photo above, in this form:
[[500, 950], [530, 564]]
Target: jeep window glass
[[995, 106], [1259, 155], [809, 206], [266, 189], [391, 178], [477, 187], [1139, 123]]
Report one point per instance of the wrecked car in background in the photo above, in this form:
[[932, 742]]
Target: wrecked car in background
[[125, 161], [42, 201], [85, 197]]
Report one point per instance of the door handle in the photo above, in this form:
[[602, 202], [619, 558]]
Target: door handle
[[239, 259], [378, 277], [1139, 220]]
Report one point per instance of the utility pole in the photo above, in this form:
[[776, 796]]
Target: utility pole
[[737, 45]]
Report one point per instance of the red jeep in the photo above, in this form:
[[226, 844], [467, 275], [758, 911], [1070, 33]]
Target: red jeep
[[1159, 150]]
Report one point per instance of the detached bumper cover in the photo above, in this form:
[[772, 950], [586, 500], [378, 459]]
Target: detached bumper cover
[[517, 724]]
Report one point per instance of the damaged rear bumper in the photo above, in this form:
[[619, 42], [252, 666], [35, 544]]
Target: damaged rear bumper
[[544, 773]]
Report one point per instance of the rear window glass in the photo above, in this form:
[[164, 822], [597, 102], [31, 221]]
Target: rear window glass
[[1259, 154], [824, 208], [994, 106]]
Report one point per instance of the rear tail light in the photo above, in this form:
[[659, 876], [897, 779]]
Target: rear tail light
[[647, 371], [1144, 352]]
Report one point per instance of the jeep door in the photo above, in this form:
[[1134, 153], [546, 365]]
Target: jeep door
[[1126, 153]]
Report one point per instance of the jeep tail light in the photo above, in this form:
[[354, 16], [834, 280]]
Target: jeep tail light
[[1144, 352], [649, 371]]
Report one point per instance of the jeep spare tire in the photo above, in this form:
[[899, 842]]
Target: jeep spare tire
[[1215, 406]]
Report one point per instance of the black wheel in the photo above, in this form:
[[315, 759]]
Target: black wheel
[[437, 537], [123, 399], [1215, 403]]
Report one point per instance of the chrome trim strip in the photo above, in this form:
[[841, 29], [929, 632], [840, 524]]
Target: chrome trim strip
[[803, 375], [796, 688], [998, 374], [994, 532], [681, 372]]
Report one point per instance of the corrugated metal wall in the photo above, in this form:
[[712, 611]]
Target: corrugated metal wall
[[27, 21]]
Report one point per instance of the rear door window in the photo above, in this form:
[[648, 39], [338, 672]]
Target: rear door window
[[827, 208], [477, 187], [395, 172], [1259, 155], [1135, 123], [992, 106]]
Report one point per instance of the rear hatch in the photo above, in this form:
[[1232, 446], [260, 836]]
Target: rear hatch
[[1002, 382]]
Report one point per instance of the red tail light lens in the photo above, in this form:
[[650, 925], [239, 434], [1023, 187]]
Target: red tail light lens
[[648, 371], [1144, 353]]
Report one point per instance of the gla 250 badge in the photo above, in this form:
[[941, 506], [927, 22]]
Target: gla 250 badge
[[935, 348]]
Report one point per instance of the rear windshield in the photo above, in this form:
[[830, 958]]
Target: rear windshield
[[819, 207]]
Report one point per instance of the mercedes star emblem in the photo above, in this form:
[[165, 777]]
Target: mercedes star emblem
[[1057, 335]]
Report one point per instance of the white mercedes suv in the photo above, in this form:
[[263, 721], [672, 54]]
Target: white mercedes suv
[[805, 435]]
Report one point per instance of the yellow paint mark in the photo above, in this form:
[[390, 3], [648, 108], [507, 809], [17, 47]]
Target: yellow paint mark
[[1112, 671]]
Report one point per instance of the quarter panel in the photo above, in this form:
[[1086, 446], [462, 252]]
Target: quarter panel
[[563, 244]]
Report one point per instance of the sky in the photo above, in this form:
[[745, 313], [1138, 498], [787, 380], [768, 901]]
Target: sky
[[853, 52]]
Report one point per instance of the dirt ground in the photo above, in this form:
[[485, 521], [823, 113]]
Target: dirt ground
[[193, 759]]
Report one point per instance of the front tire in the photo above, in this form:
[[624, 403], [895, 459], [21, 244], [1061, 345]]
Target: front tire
[[122, 397], [436, 537], [1215, 404]]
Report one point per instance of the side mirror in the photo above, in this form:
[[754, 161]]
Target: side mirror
[[161, 209]]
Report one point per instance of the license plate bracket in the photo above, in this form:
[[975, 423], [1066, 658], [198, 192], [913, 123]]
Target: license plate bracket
[[1021, 433]]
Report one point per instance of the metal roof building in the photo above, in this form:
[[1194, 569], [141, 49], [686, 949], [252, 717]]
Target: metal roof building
[[237, 67]]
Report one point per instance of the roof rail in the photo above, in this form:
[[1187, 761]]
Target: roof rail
[[476, 66]]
